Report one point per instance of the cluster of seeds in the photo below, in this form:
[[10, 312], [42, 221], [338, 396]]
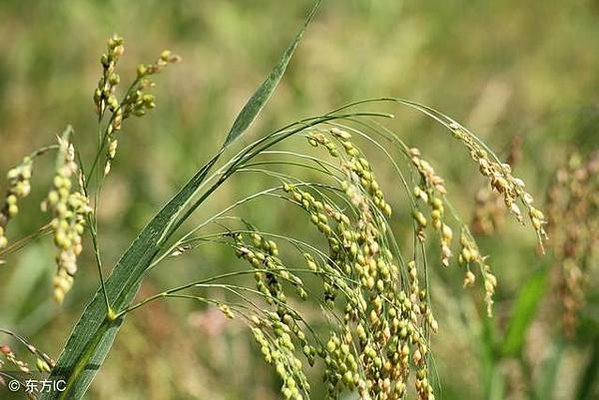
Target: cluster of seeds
[[431, 191], [488, 214], [321, 216], [69, 209], [377, 304], [11, 357], [275, 331], [502, 181], [385, 317], [382, 335], [273, 335], [136, 102], [226, 310], [357, 167], [262, 255], [470, 256], [19, 186], [44, 363], [318, 138], [573, 209], [359, 172], [104, 95]]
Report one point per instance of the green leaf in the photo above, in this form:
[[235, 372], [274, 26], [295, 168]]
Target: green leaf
[[93, 336], [523, 313]]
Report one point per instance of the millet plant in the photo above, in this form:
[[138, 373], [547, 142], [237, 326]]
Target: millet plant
[[372, 293]]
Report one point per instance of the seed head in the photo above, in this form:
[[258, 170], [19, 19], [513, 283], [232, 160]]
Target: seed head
[[69, 209]]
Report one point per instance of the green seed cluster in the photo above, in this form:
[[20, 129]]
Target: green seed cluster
[[262, 255], [318, 138], [320, 218], [136, 102], [19, 186], [341, 238], [427, 172], [43, 362], [431, 191], [69, 210], [573, 209], [382, 325], [379, 342], [278, 350], [469, 256], [359, 171], [277, 332], [166, 58], [226, 310], [341, 364], [104, 95], [419, 296], [501, 180]]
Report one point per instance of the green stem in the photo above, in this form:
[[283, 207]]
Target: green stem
[[18, 245], [94, 235], [209, 280], [92, 222]]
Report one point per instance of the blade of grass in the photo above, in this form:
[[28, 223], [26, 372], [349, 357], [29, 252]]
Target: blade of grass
[[523, 313], [91, 339]]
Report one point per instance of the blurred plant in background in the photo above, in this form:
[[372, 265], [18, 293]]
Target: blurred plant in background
[[536, 79], [573, 203]]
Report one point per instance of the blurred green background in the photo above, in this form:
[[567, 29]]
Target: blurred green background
[[502, 68]]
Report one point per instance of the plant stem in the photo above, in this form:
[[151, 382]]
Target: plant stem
[[19, 244]]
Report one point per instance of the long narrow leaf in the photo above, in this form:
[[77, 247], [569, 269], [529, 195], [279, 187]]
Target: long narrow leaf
[[523, 313]]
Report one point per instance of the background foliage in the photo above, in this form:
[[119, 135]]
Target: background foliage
[[503, 68]]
